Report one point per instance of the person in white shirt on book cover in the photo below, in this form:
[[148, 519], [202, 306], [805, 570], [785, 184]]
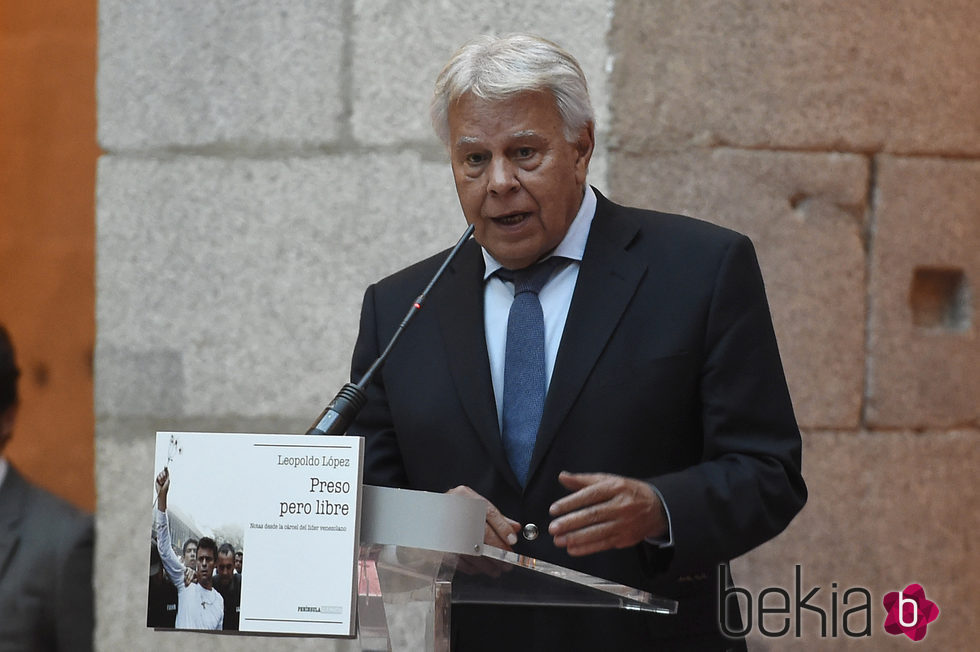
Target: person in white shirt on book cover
[[199, 605]]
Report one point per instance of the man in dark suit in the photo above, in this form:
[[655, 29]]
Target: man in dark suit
[[46, 599], [663, 442], [228, 583]]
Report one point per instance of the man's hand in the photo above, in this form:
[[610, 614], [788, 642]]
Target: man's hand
[[500, 532], [605, 512], [163, 486], [190, 576]]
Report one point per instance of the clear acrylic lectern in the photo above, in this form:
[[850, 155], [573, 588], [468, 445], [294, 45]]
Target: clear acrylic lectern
[[421, 553]]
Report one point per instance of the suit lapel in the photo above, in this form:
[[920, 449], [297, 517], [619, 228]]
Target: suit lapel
[[607, 281], [460, 312], [12, 500]]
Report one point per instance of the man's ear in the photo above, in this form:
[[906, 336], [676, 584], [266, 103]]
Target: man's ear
[[584, 146]]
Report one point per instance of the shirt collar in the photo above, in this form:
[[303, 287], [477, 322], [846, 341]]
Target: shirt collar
[[572, 246], [3, 469]]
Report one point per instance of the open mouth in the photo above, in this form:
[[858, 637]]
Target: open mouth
[[510, 219]]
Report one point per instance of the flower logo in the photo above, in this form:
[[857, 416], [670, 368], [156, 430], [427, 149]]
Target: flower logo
[[909, 612]]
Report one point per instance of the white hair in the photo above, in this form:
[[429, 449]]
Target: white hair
[[499, 67]]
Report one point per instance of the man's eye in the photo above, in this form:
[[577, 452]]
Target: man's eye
[[525, 152], [475, 159]]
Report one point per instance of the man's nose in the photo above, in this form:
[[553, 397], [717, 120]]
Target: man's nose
[[503, 176]]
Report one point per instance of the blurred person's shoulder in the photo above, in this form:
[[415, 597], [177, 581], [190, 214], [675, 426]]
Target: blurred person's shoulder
[[41, 508]]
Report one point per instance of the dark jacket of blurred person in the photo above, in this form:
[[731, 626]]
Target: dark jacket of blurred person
[[161, 595], [46, 598]]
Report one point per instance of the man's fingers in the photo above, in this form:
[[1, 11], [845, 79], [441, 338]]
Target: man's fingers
[[503, 528], [604, 534], [500, 531], [492, 538], [608, 512], [579, 519], [589, 489], [576, 481], [596, 545], [581, 535], [596, 538]]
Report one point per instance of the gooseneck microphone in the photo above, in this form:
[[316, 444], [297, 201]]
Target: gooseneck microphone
[[342, 410]]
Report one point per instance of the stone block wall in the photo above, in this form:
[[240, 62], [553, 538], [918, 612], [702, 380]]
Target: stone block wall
[[265, 161], [844, 138]]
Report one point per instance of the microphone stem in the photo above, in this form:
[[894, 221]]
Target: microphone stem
[[419, 302], [343, 409]]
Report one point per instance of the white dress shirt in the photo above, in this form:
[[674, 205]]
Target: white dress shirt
[[555, 297]]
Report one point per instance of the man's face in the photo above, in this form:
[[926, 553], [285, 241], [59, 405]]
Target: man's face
[[238, 562], [205, 566], [226, 569], [190, 555], [520, 183]]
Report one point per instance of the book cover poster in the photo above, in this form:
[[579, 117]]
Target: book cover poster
[[255, 533]]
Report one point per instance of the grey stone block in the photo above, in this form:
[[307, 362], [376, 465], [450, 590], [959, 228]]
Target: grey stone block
[[859, 76], [885, 510], [804, 212], [145, 382], [253, 270], [400, 47], [925, 284], [243, 73]]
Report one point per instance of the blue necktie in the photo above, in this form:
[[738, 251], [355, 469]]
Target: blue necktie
[[524, 365]]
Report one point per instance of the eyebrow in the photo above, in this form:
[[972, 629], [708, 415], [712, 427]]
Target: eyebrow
[[467, 140], [472, 140]]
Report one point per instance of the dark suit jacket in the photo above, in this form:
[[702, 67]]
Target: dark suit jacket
[[46, 600], [667, 370]]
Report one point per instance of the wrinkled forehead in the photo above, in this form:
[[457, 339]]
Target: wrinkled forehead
[[474, 119]]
